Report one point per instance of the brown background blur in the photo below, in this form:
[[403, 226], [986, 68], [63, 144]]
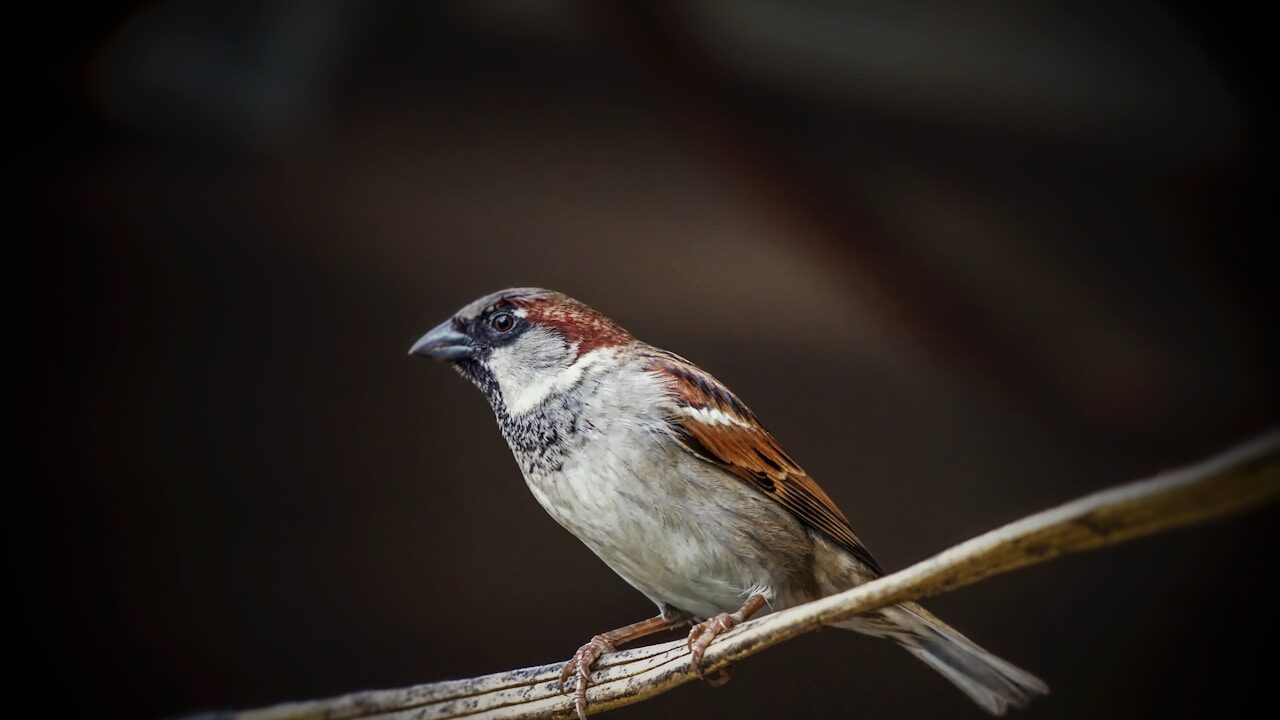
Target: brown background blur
[[966, 263]]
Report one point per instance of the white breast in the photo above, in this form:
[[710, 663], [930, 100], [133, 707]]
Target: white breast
[[676, 528]]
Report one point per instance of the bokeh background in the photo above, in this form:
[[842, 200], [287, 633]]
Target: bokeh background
[[966, 262]]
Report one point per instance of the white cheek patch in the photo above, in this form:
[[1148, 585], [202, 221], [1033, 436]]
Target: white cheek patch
[[525, 383], [713, 416]]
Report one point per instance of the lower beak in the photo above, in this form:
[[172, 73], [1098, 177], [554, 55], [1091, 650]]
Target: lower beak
[[443, 343]]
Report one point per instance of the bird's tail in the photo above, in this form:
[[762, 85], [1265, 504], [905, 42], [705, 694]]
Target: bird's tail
[[992, 683]]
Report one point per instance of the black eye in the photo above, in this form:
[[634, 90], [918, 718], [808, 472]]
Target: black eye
[[502, 322]]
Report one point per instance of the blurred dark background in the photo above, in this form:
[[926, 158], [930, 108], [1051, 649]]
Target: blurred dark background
[[965, 262]]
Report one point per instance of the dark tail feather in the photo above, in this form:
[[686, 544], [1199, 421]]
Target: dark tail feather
[[992, 683]]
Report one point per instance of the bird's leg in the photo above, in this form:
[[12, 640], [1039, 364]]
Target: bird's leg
[[579, 666], [703, 633]]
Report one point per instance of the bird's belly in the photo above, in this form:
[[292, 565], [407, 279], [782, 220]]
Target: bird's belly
[[682, 532]]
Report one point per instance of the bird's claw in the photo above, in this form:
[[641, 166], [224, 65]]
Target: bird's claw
[[579, 668], [700, 638], [720, 678]]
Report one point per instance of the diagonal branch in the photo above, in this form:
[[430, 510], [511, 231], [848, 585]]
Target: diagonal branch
[[1247, 476]]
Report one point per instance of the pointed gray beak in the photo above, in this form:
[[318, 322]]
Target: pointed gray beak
[[443, 343]]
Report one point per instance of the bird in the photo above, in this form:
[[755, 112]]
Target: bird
[[675, 484]]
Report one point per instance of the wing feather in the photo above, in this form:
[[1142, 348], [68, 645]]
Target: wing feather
[[715, 425]]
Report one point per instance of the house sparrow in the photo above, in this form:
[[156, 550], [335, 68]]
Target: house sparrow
[[672, 481]]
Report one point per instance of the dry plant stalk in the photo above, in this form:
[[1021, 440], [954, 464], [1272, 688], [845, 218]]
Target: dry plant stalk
[[1244, 477]]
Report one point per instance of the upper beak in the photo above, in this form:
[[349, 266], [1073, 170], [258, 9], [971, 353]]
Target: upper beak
[[443, 343]]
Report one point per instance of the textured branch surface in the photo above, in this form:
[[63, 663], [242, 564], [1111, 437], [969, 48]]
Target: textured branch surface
[[1245, 477]]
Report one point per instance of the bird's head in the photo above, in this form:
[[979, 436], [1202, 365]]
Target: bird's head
[[516, 343]]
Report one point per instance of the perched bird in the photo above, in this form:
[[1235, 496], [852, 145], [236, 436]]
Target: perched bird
[[672, 481]]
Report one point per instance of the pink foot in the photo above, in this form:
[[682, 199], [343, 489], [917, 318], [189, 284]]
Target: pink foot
[[579, 668]]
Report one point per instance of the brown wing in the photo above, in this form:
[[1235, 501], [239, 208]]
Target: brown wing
[[716, 426]]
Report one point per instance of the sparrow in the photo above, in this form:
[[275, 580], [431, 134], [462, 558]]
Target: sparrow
[[676, 485]]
